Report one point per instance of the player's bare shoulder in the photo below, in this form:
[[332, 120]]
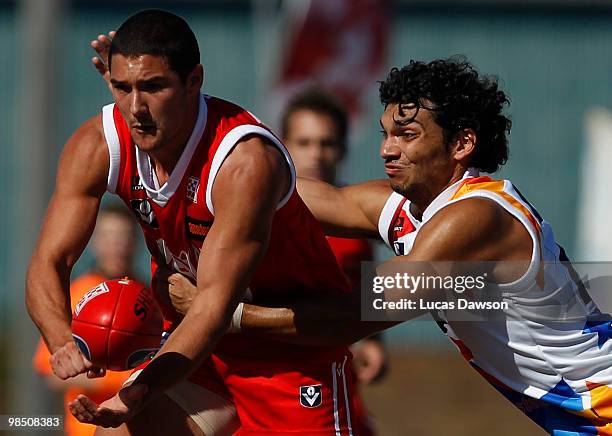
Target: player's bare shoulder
[[473, 229], [85, 159], [256, 160]]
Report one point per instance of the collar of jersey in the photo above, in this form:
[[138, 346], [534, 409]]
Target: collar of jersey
[[446, 195], [162, 194]]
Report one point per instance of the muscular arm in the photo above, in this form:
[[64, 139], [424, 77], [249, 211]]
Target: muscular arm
[[310, 321], [350, 211], [471, 230], [67, 226], [234, 246]]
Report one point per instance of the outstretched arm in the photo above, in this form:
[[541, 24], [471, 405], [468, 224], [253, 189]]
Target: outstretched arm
[[469, 230], [351, 211], [67, 226], [309, 321], [473, 230]]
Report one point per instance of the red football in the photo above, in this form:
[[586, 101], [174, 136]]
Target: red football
[[117, 325]]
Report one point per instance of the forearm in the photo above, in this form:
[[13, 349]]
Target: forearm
[[309, 321], [349, 212], [48, 301]]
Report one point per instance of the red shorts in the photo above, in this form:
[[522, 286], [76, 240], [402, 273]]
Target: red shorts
[[277, 397]]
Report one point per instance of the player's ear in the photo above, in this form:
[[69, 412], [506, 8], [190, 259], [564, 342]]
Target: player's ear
[[195, 80], [464, 144]]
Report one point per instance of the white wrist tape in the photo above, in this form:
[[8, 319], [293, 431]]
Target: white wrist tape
[[235, 326]]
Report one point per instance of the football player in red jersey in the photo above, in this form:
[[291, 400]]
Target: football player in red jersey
[[214, 193]]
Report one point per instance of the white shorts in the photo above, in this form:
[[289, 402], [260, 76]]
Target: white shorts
[[214, 414]]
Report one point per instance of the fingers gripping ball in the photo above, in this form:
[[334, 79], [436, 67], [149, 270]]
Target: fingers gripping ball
[[117, 325]]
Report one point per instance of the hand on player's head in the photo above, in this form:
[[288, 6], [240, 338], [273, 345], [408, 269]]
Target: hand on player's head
[[102, 47], [68, 361]]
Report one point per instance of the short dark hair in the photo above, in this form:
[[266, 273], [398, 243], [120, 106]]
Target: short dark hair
[[319, 102], [459, 98], [158, 33]]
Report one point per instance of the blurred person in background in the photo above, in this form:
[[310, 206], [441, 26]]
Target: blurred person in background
[[113, 247], [314, 127]]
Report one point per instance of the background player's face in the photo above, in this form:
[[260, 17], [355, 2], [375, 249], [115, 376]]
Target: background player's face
[[153, 100], [418, 161], [114, 244], [313, 142]]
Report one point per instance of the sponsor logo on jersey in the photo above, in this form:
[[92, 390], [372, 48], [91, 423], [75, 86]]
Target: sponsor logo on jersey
[[90, 295], [193, 184], [311, 396], [136, 184], [144, 211], [197, 229]]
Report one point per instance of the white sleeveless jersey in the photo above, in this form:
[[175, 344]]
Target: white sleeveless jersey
[[558, 373]]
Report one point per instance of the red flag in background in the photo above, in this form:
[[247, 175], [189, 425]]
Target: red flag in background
[[338, 45]]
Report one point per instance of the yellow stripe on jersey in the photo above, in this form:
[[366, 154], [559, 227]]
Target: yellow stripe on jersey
[[497, 187]]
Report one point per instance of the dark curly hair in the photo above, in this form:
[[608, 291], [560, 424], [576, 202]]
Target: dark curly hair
[[459, 98]]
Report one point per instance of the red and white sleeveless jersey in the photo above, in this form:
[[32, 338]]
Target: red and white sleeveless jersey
[[177, 216]]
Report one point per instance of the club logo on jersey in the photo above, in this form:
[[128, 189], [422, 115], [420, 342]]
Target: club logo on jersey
[[136, 184], [197, 229], [193, 184], [311, 396], [144, 211], [90, 295]]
